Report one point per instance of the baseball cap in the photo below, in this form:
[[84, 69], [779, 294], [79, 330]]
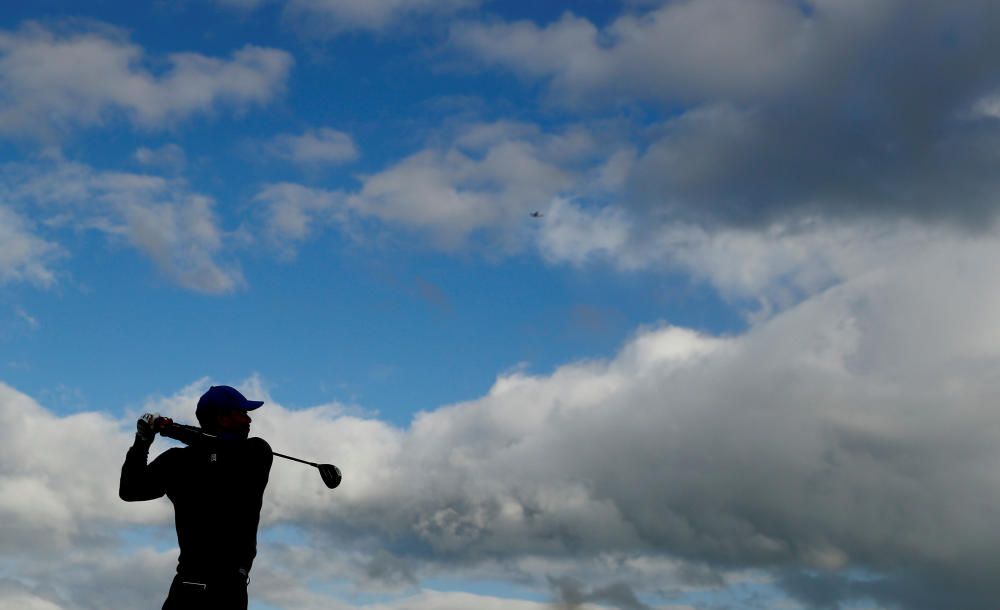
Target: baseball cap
[[225, 398]]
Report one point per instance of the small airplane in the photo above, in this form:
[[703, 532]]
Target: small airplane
[[537, 214]]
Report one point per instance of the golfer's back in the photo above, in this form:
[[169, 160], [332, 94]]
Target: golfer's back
[[217, 490]]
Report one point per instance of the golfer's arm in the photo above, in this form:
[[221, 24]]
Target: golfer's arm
[[141, 481]]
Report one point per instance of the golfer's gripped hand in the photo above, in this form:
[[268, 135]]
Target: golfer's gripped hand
[[149, 424]]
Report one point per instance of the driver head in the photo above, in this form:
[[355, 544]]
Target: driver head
[[331, 475]]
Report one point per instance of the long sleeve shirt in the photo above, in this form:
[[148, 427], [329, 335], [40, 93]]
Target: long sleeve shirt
[[217, 489]]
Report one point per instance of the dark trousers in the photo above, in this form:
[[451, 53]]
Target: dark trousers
[[188, 593]]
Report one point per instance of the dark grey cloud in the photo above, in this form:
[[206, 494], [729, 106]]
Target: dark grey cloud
[[923, 588], [16, 594], [571, 594], [819, 590], [790, 109], [390, 571], [756, 166]]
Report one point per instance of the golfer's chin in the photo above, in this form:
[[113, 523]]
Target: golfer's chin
[[238, 434]]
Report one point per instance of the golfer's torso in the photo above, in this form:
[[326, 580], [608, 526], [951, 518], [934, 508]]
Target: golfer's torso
[[217, 493]]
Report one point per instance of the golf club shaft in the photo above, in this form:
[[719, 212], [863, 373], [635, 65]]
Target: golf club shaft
[[184, 433], [288, 457]]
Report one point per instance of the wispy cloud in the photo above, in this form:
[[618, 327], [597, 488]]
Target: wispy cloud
[[473, 191], [333, 17], [28, 319], [314, 147], [170, 157], [161, 218], [25, 256], [293, 213]]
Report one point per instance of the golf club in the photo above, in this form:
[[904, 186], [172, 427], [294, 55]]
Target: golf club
[[329, 472], [192, 434]]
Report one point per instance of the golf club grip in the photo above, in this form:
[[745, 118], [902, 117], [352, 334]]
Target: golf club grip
[[188, 435]]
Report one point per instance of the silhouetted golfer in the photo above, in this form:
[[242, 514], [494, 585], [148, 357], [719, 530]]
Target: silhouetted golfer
[[217, 487]]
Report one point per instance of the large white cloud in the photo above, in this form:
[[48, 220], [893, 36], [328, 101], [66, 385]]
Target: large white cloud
[[69, 540], [50, 503], [832, 436], [55, 78], [852, 433]]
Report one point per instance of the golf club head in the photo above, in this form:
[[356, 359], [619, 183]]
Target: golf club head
[[331, 475]]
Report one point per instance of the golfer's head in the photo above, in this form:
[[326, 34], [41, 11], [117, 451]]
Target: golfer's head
[[223, 411]]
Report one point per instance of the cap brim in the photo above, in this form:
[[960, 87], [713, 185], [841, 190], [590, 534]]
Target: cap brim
[[250, 405]]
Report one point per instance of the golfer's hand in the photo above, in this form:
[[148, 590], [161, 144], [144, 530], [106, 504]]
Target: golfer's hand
[[149, 424]]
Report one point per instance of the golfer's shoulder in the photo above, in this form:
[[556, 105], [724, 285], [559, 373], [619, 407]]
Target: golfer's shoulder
[[172, 456], [259, 446]]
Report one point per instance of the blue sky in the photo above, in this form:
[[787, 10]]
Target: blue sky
[[741, 359], [396, 332], [388, 326]]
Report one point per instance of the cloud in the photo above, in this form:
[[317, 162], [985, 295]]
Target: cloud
[[774, 267], [473, 187], [291, 213], [24, 256], [315, 147], [57, 79], [242, 4], [776, 110], [484, 184], [434, 295], [816, 441], [105, 579], [571, 595], [66, 534], [169, 156], [47, 506], [689, 50], [824, 446], [332, 17], [573, 234], [440, 600], [14, 594], [27, 318], [176, 228], [476, 190]]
